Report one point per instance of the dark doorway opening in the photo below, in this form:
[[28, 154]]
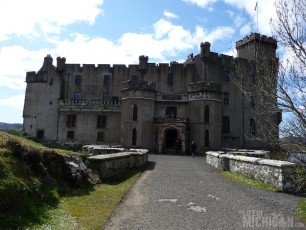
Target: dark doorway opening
[[207, 144], [171, 136], [134, 136]]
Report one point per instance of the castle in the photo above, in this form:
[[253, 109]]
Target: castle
[[150, 105]]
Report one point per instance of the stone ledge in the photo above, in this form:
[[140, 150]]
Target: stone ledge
[[114, 156], [277, 163]]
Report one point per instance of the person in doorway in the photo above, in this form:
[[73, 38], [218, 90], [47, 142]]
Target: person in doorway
[[193, 148], [177, 146]]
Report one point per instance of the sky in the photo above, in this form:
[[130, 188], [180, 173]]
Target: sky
[[115, 32]]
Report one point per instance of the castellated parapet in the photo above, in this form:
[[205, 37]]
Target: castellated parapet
[[146, 105]]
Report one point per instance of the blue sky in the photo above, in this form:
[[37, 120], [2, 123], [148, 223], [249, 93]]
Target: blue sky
[[114, 32]]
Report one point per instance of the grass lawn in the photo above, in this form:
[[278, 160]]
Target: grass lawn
[[236, 177], [301, 210], [241, 179], [89, 208]]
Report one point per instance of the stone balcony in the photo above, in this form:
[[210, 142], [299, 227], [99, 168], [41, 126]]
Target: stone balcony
[[177, 97], [90, 105], [203, 86], [138, 85], [170, 119]]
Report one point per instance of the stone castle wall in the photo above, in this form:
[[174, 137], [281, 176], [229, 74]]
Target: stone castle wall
[[274, 172]]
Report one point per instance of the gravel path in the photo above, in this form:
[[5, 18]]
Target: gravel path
[[181, 192]]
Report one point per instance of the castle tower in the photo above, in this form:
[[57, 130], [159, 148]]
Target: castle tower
[[257, 46]]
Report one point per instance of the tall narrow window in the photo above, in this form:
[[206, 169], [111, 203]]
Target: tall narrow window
[[252, 79], [78, 79], [77, 97], [106, 81], [207, 144], [171, 111], [100, 137], [226, 75], [252, 127], [206, 114], [134, 78], [101, 121], [70, 135], [106, 96], [71, 121], [226, 98], [40, 134], [225, 124], [252, 101], [135, 112], [134, 136], [170, 79]]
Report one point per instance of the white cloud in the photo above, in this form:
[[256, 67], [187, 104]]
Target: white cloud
[[32, 17], [245, 30], [15, 102], [201, 3], [265, 10], [169, 14]]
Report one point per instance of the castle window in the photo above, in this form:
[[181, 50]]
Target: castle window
[[252, 79], [106, 96], [252, 101], [77, 97], [226, 98], [225, 124], [252, 127], [100, 137], [170, 79], [171, 111], [134, 78], [70, 135], [134, 136], [101, 121], [135, 112], [206, 114], [206, 144], [71, 120], [40, 134], [226, 76], [78, 79], [106, 80]]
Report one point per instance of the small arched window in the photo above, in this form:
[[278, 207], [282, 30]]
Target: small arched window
[[252, 127], [134, 136], [135, 112], [206, 114], [207, 144]]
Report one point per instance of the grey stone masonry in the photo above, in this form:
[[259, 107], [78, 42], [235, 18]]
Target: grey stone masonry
[[108, 165], [274, 172]]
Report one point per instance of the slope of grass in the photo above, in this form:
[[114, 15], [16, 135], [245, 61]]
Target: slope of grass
[[28, 202], [89, 208], [241, 179], [301, 210]]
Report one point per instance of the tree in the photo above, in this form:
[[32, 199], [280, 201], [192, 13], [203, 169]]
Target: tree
[[278, 85], [289, 28]]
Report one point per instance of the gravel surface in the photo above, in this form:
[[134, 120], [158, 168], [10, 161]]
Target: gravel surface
[[181, 192]]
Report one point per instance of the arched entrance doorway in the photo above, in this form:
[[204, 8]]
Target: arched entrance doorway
[[170, 137]]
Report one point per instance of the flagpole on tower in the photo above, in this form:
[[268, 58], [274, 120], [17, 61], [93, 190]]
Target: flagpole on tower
[[256, 9]]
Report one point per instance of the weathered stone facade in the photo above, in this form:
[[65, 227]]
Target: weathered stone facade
[[147, 105]]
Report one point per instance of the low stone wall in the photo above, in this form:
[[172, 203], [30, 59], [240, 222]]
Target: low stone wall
[[277, 173], [112, 164]]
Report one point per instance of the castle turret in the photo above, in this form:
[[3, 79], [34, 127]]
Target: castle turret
[[256, 46], [60, 66], [48, 60], [143, 64], [205, 51]]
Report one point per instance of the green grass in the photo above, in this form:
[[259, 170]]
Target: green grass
[[89, 208], [241, 179], [301, 210]]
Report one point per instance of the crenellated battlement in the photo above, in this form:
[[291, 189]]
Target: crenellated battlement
[[256, 37], [39, 77]]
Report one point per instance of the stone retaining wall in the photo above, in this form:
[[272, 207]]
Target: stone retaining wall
[[112, 164], [277, 173]]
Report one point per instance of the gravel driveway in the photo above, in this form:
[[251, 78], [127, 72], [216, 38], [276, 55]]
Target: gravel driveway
[[181, 192]]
